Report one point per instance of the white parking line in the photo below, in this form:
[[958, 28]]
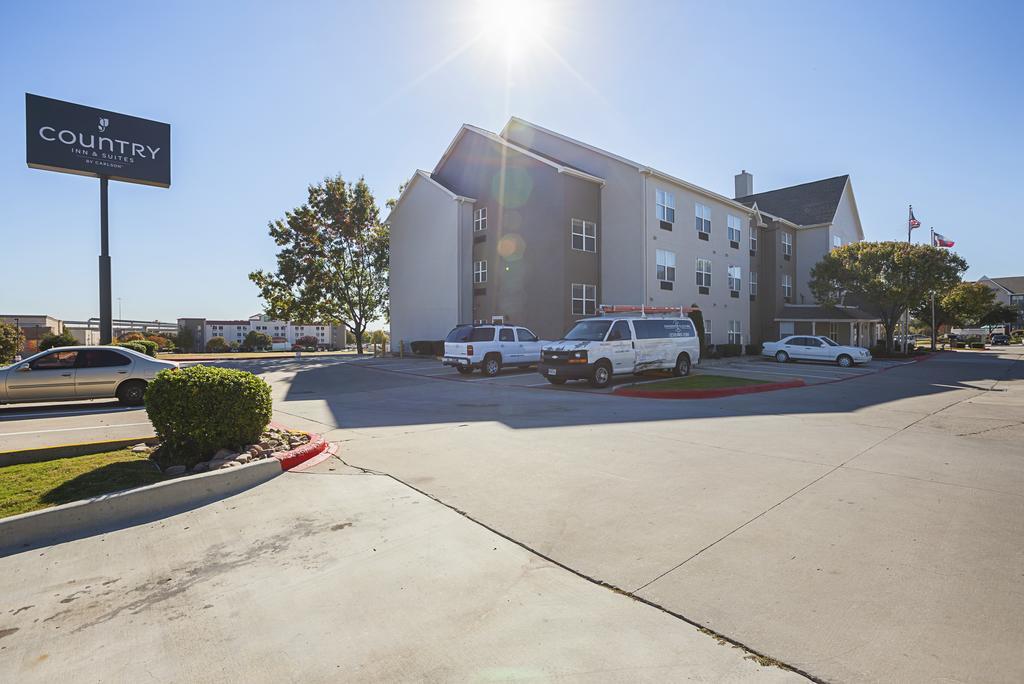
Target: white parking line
[[92, 427], [58, 414]]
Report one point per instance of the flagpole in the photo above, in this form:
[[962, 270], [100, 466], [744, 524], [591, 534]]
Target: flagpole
[[906, 313], [932, 243]]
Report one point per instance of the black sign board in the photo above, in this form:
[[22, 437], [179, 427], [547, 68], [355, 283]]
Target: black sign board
[[71, 138]]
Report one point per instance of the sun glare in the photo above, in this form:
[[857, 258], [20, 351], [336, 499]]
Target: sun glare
[[515, 27]]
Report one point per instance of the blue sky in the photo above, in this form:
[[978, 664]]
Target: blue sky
[[920, 102]]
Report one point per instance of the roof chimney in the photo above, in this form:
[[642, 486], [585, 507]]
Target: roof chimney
[[744, 184]]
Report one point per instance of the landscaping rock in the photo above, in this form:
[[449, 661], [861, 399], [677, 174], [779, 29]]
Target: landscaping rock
[[140, 449], [227, 464], [201, 467], [224, 455], [175, 470]]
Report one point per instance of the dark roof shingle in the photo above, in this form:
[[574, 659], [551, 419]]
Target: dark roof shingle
[[1014, 284], [805, 204]]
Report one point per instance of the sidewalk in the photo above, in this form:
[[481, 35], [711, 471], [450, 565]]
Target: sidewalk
[[333, 575]]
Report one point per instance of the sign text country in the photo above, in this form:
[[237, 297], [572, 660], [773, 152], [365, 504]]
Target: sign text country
[[63, 136]]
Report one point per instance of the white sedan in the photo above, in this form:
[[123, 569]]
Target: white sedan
[[814, 348]]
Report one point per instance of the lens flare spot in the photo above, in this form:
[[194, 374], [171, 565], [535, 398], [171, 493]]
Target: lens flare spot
[[511, 247], [512, 187]]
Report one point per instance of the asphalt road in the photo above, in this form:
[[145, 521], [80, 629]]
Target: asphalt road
[[864, 530]]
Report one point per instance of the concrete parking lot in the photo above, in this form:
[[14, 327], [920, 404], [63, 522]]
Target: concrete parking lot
[[865, 530]]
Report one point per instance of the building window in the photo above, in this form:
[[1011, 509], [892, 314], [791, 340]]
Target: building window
[[837, 242], [735, 229], [584, 299], [735, 278], [704, 272], [666, 265], [480, 271], [753, 283], [735, 333], [787, 287], [833, 331], [787, 244], [703, 218], [707, 331], [753, 240], [666, 206], [584, 235], [480, 219], [1017, 301]]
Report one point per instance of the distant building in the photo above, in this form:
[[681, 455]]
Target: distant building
[[1009, 291], [34, 327], [283, 333]]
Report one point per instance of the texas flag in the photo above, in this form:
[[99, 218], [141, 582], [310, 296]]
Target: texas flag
[[941, 241]]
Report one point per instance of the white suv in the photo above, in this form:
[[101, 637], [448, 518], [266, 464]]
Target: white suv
[[489, 347]]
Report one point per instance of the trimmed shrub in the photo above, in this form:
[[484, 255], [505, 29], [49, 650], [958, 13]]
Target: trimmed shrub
[[134, 346], [65, 339], [131, 337], [731, 349], [216, 345], [307, 342], [198, 410], [424, 347], [438, 347], [977, 345], [149, 346]]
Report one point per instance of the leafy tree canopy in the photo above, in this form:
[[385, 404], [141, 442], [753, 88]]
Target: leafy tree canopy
[[11, 342], [65, 339], [885, 278], [332, 265]]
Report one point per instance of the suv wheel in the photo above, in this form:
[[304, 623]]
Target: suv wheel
[[601, 375], [132, 393], [781, 357], [492, 365], [682, 366], [844, 361]]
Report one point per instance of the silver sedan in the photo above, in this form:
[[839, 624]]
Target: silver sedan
[[69, 373]]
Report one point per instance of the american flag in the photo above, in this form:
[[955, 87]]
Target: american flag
[[941, 241], [914, 223]]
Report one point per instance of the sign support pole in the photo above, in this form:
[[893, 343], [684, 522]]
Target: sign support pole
[[106, 307]]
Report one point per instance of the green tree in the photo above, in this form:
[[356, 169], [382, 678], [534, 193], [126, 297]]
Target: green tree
[[307, 342], [12, 341], [966, 303], [217, 345], [186, 339], [49, 341], [1000, 314], [333, 260], [255, 340], [885, 278]]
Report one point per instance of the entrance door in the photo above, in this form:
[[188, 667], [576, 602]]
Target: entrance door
[[47, 378]]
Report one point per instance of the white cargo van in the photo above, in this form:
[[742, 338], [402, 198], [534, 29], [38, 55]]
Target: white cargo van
[[598, 348]]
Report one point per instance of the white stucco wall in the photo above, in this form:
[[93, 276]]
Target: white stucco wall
[[428, 265], [718, 306]]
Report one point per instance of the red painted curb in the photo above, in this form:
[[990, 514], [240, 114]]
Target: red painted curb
[[313, 447], [709, 393]]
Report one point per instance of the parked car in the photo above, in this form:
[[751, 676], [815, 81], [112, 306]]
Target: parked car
[[87, 372], [490, 347], [999, 339], [598, 348], [814, 348]]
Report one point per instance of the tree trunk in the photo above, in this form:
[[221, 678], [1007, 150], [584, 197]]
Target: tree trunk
[[358, 332]]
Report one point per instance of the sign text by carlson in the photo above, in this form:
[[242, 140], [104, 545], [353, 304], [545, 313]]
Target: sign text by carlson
[[71, 138]]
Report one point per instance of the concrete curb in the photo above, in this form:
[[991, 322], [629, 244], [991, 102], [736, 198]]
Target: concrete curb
[[8, 458], [130, 507], [708, 393], [146, 504]]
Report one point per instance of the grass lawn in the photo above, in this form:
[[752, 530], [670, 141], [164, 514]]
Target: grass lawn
[[696, 382], [230, 356], [31, 486]]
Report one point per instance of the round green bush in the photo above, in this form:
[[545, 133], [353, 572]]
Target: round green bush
[[198, 410], [142, 346]]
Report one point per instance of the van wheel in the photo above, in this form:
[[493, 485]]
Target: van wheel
[[601, 375], [682, 367], [556, 381], [781, 357], [132, 393], [492, 365], [844, 361], [465, 370]]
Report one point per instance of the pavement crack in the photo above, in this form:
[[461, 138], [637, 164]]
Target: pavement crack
[[751, 653]]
